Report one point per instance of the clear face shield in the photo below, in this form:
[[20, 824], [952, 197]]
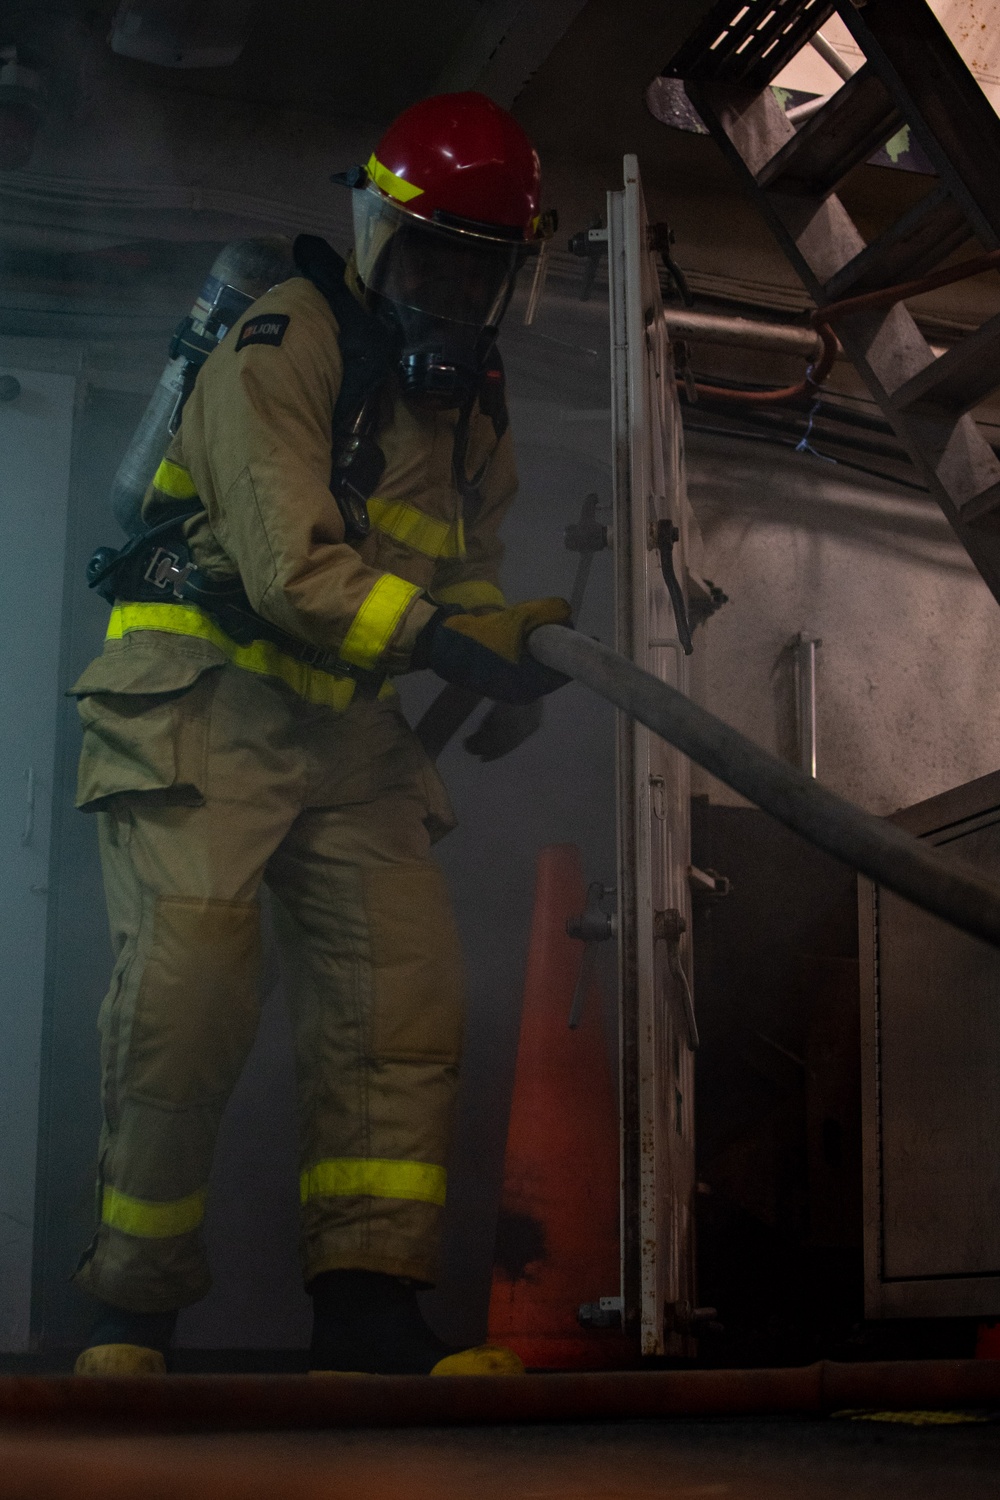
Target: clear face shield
[[447, 290], [435, 269]]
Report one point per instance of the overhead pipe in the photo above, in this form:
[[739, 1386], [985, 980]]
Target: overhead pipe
[[276, 1403], [177, 34], [940, 884], [745, 333], [750, 333]]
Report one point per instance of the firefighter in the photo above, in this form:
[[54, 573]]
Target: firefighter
[[241, 726]]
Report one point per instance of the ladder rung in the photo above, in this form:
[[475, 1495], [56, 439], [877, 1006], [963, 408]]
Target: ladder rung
[[861, 116], [926, 235], [960, 378], [981, 505], [746, 41], [950, 115], [928, 402]]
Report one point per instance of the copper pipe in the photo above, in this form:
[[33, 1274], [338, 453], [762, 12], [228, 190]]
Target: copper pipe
[[821, 322], [814, 376]]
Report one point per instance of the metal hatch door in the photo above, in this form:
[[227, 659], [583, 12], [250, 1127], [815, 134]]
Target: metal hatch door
[[656, 1018]]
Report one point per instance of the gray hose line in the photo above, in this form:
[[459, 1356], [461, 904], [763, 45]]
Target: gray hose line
[[885, 853]]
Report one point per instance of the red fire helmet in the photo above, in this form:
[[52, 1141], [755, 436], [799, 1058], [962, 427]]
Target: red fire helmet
[[461, 157], [447, 210]]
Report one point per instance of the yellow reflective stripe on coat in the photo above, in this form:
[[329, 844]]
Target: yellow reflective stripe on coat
[[423, 533], [262, 657], [372, 1177], [170, 479], [151, 1221], [377, 621], [395, 187], [475, 593]]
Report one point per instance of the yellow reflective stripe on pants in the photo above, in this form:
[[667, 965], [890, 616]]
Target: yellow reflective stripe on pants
[[476, 593], [170, 479], [423, 533], [262, 657], [377, 621], [151, 1221], [361, 1177], [389, 182]]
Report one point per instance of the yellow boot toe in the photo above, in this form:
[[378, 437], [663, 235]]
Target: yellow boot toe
[[120, 1359], [484, 1359]]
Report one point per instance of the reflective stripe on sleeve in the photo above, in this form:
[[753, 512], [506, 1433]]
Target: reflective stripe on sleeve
[[262, 657], [475, 593], [395, 187], [423, 533], [364, 1177], [151, 1221], [376, 622], [170, 479]]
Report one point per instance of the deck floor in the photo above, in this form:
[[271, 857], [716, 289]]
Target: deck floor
[[779, 1459]]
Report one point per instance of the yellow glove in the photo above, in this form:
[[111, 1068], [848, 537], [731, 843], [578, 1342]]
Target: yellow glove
[[487, 652]]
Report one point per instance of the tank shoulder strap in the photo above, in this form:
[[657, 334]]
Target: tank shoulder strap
[[493, 393], [369, 355], [368, 349], [492, 399]]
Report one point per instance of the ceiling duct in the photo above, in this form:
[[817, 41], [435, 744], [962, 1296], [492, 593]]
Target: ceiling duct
[[182, 33], [21, 110]]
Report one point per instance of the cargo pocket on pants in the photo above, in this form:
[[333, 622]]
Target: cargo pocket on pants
[[417, 1003], [145, 725], [197, 1007]]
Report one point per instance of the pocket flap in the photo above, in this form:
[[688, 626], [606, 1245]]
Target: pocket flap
[[133, 666]]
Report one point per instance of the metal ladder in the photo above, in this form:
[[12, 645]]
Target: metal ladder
[[912, 76]]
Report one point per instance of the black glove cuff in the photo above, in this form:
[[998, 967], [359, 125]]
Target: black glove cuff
[[420, 657]]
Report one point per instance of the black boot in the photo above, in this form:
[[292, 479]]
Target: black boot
[[371, 1323], [127, 1343]]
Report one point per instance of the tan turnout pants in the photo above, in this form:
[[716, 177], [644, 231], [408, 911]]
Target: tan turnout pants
[[333, 812]]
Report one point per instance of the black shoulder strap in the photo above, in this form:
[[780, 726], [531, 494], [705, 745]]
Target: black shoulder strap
[[493, 393], [492, 398], [369, 354], [368, 349]]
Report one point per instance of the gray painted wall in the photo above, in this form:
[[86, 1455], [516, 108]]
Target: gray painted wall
[[35, 438], [908, 704]]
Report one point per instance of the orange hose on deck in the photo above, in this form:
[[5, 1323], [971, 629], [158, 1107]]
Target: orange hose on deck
[[242, 1403]]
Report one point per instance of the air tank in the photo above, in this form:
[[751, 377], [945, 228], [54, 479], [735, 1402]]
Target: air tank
[[241, 273]]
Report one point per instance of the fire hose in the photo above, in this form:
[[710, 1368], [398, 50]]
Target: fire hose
[[53, 1460], [937, 883]]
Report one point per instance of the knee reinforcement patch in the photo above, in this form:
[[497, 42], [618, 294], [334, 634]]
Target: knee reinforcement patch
[[197, 1006], [418, 984]]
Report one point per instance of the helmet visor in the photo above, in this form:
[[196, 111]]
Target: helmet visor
[[445, 272]]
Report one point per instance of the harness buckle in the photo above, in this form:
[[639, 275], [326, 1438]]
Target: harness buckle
[[312, 656], [164, 571]]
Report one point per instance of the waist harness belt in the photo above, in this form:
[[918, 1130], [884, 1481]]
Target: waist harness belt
[[157, 568]]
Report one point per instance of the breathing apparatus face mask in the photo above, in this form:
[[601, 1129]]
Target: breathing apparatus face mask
[[444, 289]]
